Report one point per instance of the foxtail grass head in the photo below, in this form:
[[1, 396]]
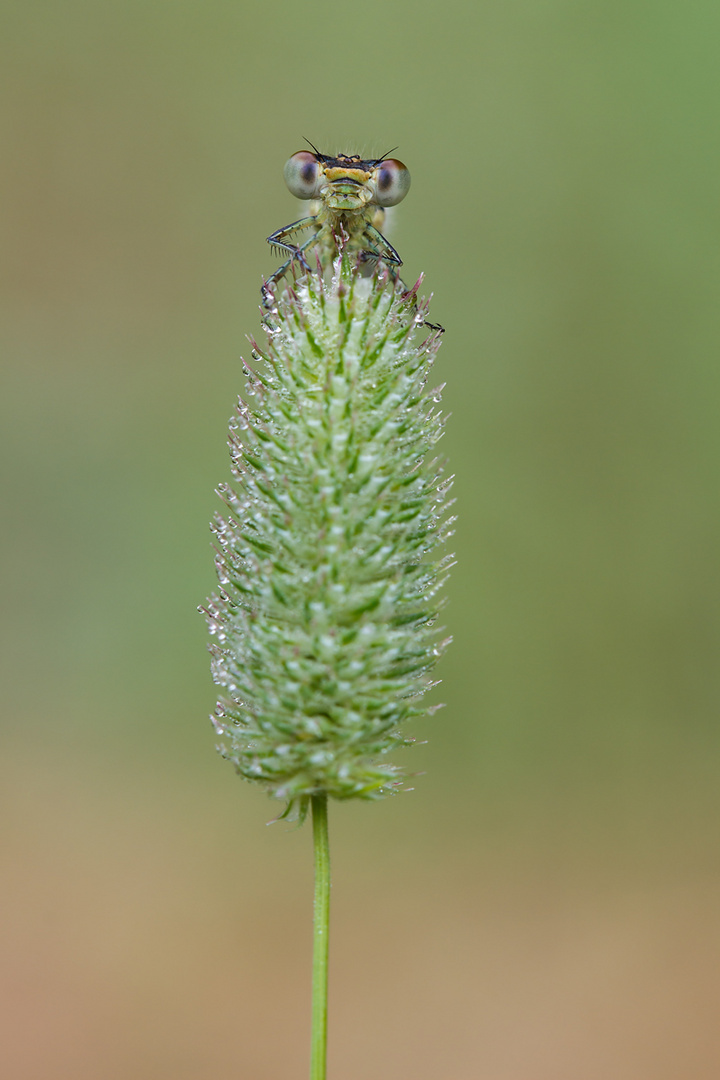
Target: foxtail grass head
[[330, 550]]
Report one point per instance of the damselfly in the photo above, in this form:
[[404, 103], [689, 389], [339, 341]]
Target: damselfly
[[348, 197]]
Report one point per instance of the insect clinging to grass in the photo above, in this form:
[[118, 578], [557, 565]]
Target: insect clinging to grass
[[348, 198]]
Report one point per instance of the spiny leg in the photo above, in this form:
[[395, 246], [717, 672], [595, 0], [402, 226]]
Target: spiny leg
[[297, 253], [277, 238], [385, 250]]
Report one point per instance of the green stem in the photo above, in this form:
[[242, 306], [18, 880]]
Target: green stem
[[321, 938]]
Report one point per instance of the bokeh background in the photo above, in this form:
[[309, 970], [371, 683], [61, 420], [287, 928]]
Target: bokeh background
[[544, 905]]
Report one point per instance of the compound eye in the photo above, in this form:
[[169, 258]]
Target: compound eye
[[302, 174], [392, 182]]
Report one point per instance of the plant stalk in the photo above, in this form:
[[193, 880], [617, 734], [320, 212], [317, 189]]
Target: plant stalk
[[321, 938]]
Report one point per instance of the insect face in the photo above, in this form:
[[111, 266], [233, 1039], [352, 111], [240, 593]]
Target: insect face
[[347, 183]]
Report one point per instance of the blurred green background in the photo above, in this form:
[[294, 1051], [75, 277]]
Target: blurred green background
[[544, 905]]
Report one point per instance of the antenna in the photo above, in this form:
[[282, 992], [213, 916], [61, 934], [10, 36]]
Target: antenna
[[314, 147]]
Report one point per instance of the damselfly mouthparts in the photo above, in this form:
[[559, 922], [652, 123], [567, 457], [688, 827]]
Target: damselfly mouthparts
[[348, 197]]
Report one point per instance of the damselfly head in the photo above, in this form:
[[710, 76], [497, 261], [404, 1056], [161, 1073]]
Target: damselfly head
[[347, 182]]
